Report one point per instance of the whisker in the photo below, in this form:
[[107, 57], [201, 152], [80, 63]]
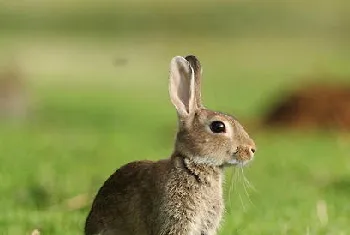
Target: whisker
[[245, 187], [230, 188], [239, 194], [248, 183], [236, 181], [238, 175], [240, 198]]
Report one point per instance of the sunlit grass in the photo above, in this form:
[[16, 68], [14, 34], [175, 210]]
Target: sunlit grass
[[71, 147]]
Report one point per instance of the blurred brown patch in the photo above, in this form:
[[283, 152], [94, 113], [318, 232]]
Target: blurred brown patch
[[13, 99], [78, 202], [322, 106]]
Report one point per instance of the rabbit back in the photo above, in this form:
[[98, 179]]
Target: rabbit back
[[125, 202]]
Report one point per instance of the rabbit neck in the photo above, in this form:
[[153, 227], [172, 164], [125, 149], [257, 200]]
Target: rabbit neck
[[203, 173]]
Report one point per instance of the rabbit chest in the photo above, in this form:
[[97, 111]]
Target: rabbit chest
[[195, 204], [209, 208]]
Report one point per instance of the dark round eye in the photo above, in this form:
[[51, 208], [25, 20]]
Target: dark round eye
[[217, 127]]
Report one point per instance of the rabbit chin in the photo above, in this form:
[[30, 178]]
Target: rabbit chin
[[238, 163]]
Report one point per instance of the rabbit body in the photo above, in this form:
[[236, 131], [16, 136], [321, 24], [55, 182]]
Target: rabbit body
[[167, 197], [181, 195]]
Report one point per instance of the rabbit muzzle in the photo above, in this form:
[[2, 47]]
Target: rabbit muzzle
[[242, 155]]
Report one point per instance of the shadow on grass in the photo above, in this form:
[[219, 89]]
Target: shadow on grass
[[340, 186], [34, 195]]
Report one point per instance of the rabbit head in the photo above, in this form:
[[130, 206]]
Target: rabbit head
[[204, 136]]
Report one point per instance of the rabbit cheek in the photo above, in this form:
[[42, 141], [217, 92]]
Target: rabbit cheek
[[221, 149]]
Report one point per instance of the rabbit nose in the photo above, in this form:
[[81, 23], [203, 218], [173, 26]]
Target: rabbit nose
[[252, 150]]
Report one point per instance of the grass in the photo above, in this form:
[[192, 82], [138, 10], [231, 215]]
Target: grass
[[101, 101], [65, 153], [78, 137], [149, 17]]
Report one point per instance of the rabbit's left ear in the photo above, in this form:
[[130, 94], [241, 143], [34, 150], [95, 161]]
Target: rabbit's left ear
[[182, 87]]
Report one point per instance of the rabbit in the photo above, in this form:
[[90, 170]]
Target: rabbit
[[181, 195]]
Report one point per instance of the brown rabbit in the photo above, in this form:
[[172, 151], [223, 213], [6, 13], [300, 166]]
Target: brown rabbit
[[181, 195]]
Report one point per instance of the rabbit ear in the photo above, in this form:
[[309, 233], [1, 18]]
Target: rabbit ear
[[182, 87], [196, 65]]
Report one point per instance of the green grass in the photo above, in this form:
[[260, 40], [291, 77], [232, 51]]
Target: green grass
[[71, 147], [207, 18], [101, 101]]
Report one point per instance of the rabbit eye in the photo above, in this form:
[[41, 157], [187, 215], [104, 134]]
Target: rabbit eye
[[217, 127]]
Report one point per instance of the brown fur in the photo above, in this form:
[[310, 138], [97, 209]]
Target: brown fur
[[181, 195]]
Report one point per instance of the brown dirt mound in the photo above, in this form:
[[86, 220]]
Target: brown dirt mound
[[322, 106]]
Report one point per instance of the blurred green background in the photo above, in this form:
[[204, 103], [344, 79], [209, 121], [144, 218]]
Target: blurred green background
[[95, 81]]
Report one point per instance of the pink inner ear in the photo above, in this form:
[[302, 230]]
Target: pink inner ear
[[181, 85], [183, 88]]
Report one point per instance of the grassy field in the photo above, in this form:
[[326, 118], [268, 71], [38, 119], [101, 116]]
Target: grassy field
[[100, 101]]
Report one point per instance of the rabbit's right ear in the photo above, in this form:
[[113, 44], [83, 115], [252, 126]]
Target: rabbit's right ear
[[197, 68], [182, 87]]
